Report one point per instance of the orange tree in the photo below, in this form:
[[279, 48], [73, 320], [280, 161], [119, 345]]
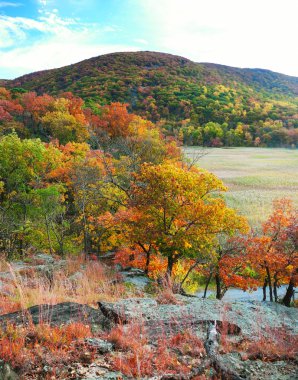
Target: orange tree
[[176, 213], [273, 254], [227, 266]]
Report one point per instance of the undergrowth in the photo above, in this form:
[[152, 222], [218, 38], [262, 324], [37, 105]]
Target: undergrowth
[[44, 351]]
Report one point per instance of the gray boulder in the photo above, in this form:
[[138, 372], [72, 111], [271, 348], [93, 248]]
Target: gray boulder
[[135, 277], [102, 346], [250, 318], [57, 315]]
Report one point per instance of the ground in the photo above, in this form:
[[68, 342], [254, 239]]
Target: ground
[[254, 176], [91, 322]]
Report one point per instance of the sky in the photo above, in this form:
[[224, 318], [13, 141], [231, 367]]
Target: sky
[[43, 34]]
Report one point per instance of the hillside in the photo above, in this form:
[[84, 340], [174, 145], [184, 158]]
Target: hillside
[[179, 92], [133, 68]]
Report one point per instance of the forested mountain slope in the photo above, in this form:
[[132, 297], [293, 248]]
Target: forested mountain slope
[[241, 104]]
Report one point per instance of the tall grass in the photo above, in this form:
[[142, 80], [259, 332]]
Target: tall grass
[[78, 281]]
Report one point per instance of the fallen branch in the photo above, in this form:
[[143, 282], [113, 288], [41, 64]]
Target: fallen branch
[[211, 346]]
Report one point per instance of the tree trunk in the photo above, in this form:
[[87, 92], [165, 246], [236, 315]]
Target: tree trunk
[[270, 284], [289, 294], [87, 242], [264, 289], [171, 263], [147, 262], [218, 287], [207, 284], [21, 247], [275, 289], [148, 255], [48, 235], [188, 272]]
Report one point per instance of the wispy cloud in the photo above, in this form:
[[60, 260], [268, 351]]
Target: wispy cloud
[[5, 4], [16, 30], [50, 41]]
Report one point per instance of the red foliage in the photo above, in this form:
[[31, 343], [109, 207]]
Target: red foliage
[[31, 348], [272, 255], [115, 120], [139, 358], [36, 105], [273, 345]]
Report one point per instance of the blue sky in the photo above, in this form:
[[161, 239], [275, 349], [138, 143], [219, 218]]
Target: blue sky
[[43, 34]]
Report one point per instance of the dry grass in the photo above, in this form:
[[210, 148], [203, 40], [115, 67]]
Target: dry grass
[[79, 281], [279, 345], [165, 294], [139, 357], [43, 351]]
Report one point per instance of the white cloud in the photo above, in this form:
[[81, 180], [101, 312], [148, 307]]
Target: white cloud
[[4, 4], [250, 33], [14, 30], [60, 42], [53, 54]]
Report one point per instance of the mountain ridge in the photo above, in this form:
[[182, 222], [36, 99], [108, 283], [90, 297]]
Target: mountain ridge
[[183, 96], [293, 81]]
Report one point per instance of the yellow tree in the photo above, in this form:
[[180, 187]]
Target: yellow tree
[[183, 212]]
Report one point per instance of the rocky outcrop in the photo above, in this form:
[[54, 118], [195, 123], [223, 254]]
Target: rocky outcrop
[[249, 318], [57, 315], [209, 320], [214, 321], [41, 265]]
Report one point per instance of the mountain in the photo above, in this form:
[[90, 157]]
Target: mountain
[[173, 89], [134, 68]]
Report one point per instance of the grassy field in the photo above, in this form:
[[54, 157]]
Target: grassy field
[[254, 176]]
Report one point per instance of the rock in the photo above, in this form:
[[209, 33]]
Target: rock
[[44, 258], [6, 373], [102, 346], [132, 272], [108, 258], [139, 282], [127, 309], [75, 277], [60, 314], [135, 277], [255, 316], [234, 321], [98, 370], [17, 265]]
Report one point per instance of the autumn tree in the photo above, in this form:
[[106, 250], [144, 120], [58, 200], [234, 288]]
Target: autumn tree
[[64, 122], [272, 254], [227, 266], [180, 211], [24, 166]]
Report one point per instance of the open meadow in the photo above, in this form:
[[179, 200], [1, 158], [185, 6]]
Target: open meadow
[[254, 176]]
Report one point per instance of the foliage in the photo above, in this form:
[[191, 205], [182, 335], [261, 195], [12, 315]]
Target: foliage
[[43, 350], [272, 255], [179, 218], [172, 354], [200, 103]]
